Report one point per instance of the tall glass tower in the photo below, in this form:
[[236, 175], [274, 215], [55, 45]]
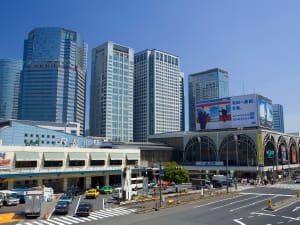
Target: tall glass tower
[[206, 85], [278, 120], [10, 70], [54, 76], [111, 101], [158, 94]]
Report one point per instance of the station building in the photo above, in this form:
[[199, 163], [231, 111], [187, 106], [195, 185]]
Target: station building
[[246, 152]]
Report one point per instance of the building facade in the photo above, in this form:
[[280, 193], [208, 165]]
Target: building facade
[[53, 81], [32, 156], [278, 119], [158, 94], [10, 70], [251, 152], [206, 85], [111, 100]]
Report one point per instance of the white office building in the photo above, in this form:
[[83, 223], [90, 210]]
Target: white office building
[[158, 94], [111, 101]]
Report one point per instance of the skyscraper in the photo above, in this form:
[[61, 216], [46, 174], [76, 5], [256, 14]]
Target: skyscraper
[[54, 76], [10, 70], [206, 85], [158, 94], [111, 101], [278, 120]]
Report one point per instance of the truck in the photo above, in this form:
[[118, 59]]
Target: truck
[[219, 181], [118, 193], [9, 197], [33, 203]]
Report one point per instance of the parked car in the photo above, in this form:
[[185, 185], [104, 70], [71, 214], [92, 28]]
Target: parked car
[[84, 209], [61, 208], [91, 193], [118, 193], [65, 198], [106, 190]]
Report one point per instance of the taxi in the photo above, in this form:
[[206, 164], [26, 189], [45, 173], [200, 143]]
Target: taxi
[[91, 193]]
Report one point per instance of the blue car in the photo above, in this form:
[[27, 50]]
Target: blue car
[[65, 198]]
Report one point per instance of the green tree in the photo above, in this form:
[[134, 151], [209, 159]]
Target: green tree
[[176, 173]]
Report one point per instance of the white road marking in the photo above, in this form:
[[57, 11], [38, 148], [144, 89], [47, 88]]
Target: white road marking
[[262, 214], [244, 206], [70, 219], [210, 203], [231, 203], [238, 221]]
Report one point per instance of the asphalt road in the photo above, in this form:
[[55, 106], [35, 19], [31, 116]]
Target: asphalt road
[[248, 208]]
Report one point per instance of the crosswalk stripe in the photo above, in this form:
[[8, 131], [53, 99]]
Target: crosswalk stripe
[[108, 213], [55, 222], [123, 210], [103, 214], [28, 223], [114, 212], [45, 221], [85, 218], [96, 215], [93, 218], [36, 222], [75, 218], [59, 219], [70, 219]]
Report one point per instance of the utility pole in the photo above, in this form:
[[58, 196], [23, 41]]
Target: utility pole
[[160, 185]]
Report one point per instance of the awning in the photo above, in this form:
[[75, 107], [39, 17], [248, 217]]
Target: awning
[[132, 156], [27, 156], [116, 156], [54, 156], [77, 156], [98, 156]]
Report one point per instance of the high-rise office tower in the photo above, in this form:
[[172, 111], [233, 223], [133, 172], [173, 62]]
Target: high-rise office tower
[[278, 120], [111, 101], [54, 76], [158, 94], [10, 70], [206, 85]]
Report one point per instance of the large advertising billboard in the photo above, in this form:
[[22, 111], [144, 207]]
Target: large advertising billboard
[[234, 112], [265, 112]]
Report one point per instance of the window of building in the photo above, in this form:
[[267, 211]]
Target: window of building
[[77, 163], [97, 163], [26, 164], [53, 163], [115, 162]]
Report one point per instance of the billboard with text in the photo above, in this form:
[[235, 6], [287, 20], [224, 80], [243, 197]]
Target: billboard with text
[[234, 112]]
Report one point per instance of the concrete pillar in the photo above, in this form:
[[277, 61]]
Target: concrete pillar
[[106, 179], [10, 185], [39, 182], [88, 182], [65, 184]]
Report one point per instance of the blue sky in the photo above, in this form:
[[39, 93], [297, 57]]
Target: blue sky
[[257, 42]]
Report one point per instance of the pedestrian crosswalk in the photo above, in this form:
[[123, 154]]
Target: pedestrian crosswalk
[[68, 220]]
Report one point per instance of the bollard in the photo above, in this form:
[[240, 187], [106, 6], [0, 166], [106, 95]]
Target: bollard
[[270, 203], [298, 194]]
